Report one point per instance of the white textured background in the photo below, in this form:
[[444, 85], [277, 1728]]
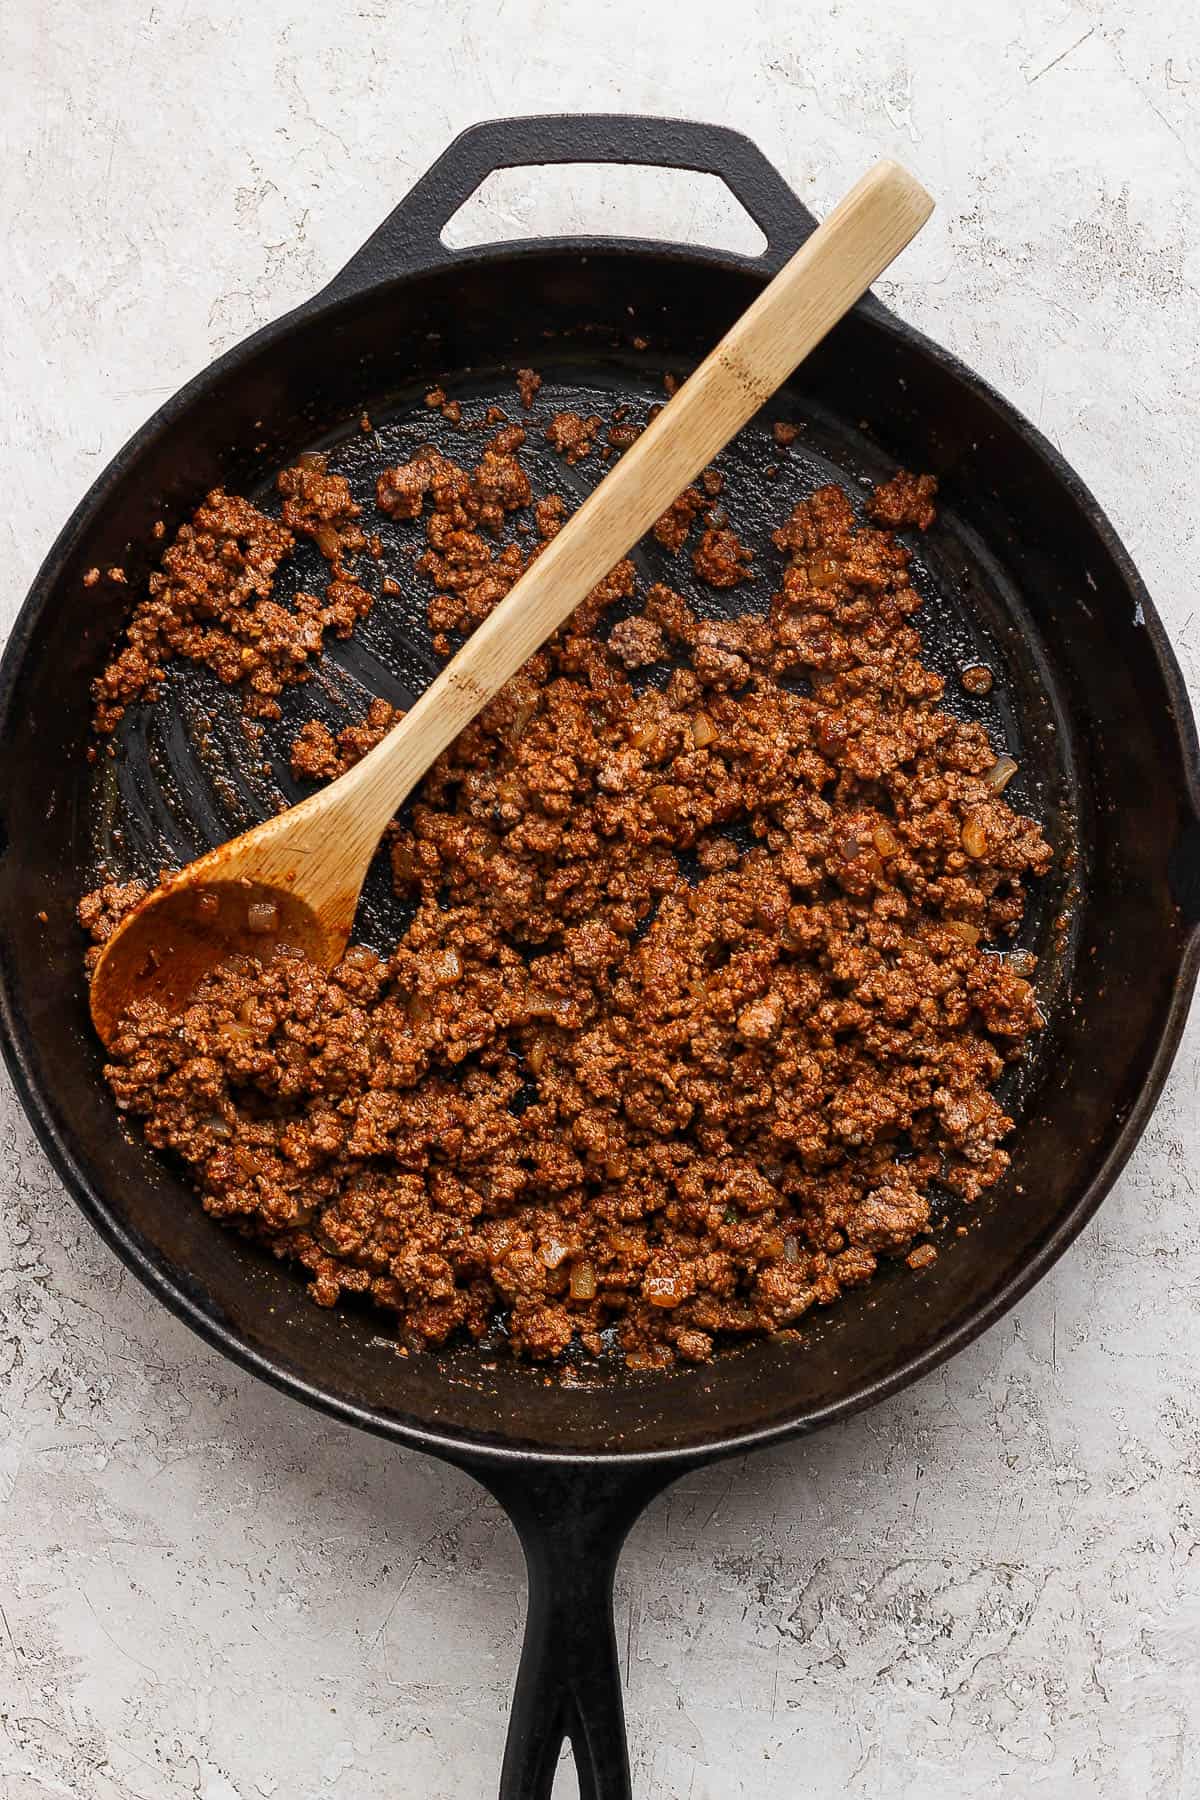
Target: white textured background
[[990, 1586]]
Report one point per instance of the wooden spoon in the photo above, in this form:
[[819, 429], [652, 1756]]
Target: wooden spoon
[[296, 878]]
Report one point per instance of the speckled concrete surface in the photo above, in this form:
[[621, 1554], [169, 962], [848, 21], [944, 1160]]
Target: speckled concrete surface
[[990, 1586]]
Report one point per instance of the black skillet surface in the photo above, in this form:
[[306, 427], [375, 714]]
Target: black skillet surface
[[1022, 571]]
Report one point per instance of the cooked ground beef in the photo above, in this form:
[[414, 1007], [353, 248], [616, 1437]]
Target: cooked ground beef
[[211, 602], [101, 911], [623, 433], [636, 642], [573, 436], [904, 500], [528, 383], [694, 1008], [673, 528], [720, 559], [318, 505], [317, 755]]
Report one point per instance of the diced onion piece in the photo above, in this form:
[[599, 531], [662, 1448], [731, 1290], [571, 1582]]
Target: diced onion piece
[[312, 459], [663, 1290], [823, 571], [974, 836], [447, 967], [885, 840], [583, 1281], [1000, 774], [970, 934], [703, 730], [540, 1005], [664, 804], [233, 1029], [360, 956], [553, 1252], [262, 916], [791, 1249], [521, 717]]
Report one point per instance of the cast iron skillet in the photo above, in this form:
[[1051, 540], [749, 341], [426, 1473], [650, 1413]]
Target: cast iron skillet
[[1022, 571]]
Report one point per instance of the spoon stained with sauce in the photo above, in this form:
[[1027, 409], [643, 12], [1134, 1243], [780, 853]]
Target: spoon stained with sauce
[[296, 879]]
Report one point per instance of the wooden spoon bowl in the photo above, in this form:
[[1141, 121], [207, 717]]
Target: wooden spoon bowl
[[184, 929]]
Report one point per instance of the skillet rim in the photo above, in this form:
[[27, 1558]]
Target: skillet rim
[[465, 1450]]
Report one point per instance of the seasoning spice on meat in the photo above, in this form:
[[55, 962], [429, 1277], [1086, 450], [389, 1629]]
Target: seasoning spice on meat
[[573, 436], [720, 559], [904, 500], [469, 573], [528, 383], [622, 1071], [671, 531], [211, 602]]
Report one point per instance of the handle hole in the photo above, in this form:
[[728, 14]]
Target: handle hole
[[604, 199], [566, 1778]]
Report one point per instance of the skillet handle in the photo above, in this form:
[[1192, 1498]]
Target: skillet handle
[[409, 240], [572, 1523]]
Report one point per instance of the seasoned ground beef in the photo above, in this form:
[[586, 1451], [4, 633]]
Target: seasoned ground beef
[[636, 642], [573, 436], [904, 500], [701, 1000], [318, 505], [211, 602], [673, 528], [470, 574], [101, 911], [317, 755], [720, 559], [528, 383]]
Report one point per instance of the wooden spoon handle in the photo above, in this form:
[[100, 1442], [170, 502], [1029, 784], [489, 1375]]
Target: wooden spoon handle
[[863, 234]]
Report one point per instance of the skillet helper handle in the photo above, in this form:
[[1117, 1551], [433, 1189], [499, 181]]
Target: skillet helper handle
[[410, 238], [572, 1523]]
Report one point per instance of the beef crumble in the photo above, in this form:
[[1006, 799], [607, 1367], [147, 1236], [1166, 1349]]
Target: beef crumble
[[528, 383], [720, 559], [212, 600], [675, 525], [621, 1070], [573, 436], [904, 500]]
